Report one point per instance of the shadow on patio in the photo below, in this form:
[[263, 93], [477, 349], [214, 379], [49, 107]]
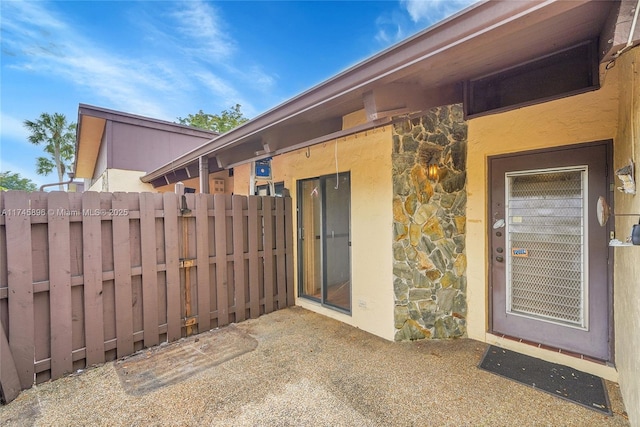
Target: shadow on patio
[[294, 367]]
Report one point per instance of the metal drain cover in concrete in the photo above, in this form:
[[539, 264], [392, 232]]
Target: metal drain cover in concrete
[[164, 365]]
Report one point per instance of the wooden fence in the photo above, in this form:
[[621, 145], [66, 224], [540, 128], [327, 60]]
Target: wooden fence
[[88, 278]]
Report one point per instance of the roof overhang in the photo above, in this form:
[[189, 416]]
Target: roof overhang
[[422, 72], [91, 127], [89, 136]]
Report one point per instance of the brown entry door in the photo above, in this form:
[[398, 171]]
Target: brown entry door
[[550, 280]]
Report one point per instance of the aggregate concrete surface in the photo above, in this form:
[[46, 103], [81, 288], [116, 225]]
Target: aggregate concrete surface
[[297, 368]]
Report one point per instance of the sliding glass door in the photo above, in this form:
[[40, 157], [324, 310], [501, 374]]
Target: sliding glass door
[[324, 240]]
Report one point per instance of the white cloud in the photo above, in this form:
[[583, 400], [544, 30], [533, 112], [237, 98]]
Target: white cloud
[[432, 11], [390, 29], [47, 45], [10, 127], [200, 22], [413, 16]]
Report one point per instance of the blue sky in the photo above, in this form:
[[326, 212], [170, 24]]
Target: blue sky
[[166, 59]]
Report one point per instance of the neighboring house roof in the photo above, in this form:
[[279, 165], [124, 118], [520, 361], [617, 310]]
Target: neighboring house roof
[[135, 136], [424, 71]]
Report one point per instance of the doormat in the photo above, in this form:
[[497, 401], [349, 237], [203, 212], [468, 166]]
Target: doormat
[[163, 365], [561, 381]]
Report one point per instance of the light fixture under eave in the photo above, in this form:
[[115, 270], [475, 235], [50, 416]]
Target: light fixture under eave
[[432, 170]]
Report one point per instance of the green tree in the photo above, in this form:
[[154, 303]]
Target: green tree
[[13, 181], [58, 138], [220, 123]]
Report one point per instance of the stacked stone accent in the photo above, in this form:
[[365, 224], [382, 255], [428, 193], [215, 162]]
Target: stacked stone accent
[[429, 217]]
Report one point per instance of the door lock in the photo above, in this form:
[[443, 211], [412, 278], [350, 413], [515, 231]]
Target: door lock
[[499, 259]]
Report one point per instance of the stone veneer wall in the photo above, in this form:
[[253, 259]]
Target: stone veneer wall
[[429, 266]]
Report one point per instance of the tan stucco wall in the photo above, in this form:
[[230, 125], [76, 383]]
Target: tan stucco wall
[[627, 259], [113, 180], [368, 157], [582, 118]]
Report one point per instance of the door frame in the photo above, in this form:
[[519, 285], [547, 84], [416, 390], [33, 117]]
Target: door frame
[[610, 227]]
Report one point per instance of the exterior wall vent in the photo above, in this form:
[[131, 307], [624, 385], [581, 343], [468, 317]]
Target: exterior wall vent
[[560, 74]]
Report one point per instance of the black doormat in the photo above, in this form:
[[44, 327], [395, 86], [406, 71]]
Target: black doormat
[[561, 381]]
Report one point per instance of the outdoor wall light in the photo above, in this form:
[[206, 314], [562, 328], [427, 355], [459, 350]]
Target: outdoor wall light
[[432, 170]]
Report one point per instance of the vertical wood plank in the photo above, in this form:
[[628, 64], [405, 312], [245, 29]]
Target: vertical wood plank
[[172, 255], [240, 298], [122, 276], [254, 280], [19, 266], [202, 256], [9, 381], [288, 214], [281, 272], [92, 273], [60, 285], [149, 270], [220, 212], [267, 212]]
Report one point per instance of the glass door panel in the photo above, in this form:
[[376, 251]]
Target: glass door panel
[[337, 242], [324, 242], [309, 238]]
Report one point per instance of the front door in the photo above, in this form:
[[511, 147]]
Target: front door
[[550, 280]]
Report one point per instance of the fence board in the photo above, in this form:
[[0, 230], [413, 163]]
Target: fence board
[[149, 269], [220, 213], [267, 209], [60, 285], [92, 274], [21, 313], [281, 271], [237, 205], [172, 256], [202, 254], [254, 282], [122, 277], [288, 219], [9, 380]]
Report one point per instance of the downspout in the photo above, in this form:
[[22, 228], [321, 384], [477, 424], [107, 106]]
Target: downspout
[[71, 176]]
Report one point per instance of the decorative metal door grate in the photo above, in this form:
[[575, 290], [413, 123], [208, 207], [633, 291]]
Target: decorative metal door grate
[[546, 245]]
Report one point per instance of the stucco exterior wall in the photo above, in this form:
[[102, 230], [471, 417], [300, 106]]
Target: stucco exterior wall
[[113, 180], [591, 116], [627, 259], [367, 156]]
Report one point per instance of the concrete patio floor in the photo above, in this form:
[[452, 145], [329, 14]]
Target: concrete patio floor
[[296, 368]]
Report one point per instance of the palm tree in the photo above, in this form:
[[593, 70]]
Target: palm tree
[[58, 138]]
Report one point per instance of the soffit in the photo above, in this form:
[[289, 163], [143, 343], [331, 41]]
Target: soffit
[[90, 131]]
